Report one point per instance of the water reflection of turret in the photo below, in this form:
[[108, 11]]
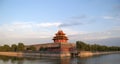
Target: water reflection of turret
[[69, 60], [21, 61], [65, 60], [74, 61]]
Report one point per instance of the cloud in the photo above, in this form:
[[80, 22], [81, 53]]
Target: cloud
[[27, 29], [24, 25], [110, 37], [77, 20], [112, 33], [30, 32], [15, 26], [115, 41], [69, 31], [108, 17], [48, 24], [113, 18], [70, 24], [114, 14]]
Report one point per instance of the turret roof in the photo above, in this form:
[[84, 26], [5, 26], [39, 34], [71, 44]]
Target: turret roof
[[60, 35]]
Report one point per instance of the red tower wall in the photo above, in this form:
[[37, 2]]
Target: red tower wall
[[60, 41]]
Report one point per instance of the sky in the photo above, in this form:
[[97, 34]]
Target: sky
[[37, 21]]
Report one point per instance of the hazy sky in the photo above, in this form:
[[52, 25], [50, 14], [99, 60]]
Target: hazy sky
[[36, 21]]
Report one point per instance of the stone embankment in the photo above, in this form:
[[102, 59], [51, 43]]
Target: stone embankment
[[88, 53], [80, 54], [85, 54], [47, 54], [33, 54]]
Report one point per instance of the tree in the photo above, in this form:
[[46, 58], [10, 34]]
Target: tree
[[14, 47], [6, 48], [32, 48], [81, 46], [1, 48], [20, 47], [42, 48]]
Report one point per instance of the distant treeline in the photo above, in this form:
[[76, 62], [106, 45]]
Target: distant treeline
[[81, 46], [16, 48], [13, 47], [20, 47]]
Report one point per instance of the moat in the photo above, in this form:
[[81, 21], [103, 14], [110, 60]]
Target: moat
[[99, 59]]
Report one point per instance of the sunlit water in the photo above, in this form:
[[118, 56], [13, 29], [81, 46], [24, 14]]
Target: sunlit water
[[101, 59]]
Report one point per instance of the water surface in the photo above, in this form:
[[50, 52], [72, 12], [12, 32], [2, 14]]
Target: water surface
[[100, 59]]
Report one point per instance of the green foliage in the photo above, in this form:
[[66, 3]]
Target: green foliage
[[14, 47], [20, 47], [81, 46], [31, 48], [42, 49], [5, 48]]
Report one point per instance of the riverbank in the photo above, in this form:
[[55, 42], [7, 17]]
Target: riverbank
[[81, 54], [34, 54], [17, 54], [88, 53]]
